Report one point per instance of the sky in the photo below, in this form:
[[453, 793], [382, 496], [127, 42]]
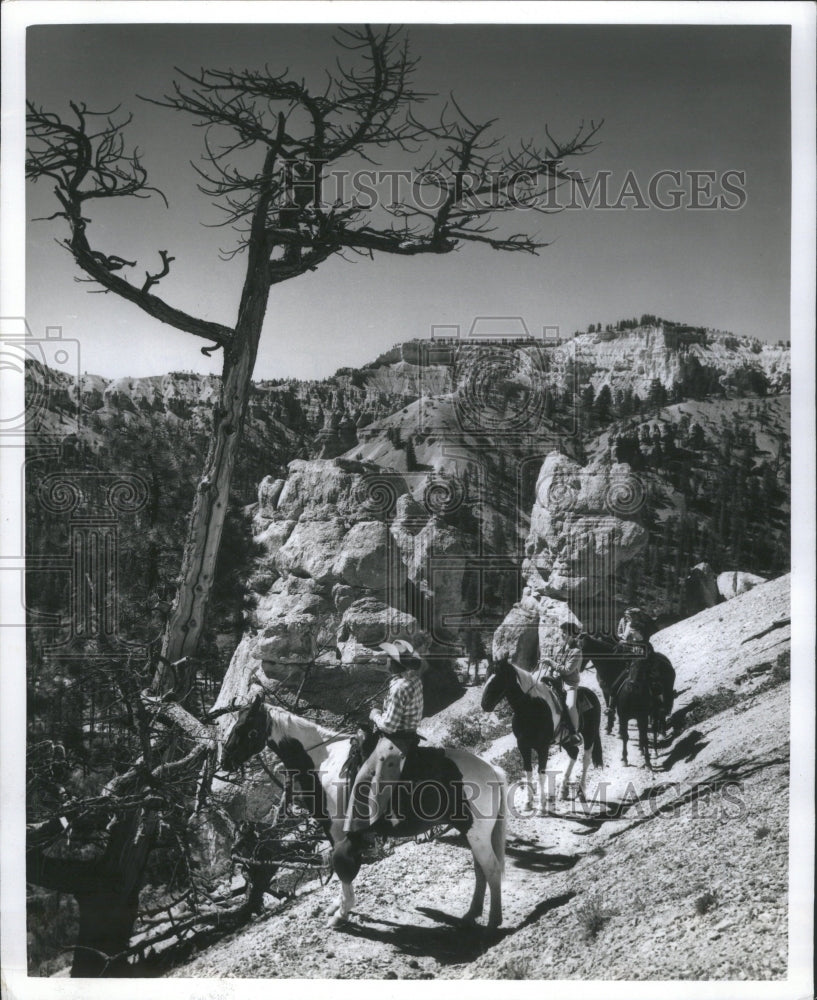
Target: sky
[[682, 98]]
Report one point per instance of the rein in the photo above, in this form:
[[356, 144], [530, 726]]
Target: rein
[[335, 738], [332, 739]]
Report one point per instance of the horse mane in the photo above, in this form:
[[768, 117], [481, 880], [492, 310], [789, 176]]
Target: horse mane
[[296, 726]]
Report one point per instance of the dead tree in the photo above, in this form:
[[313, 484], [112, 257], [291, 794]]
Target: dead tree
[[106, 889], [97, 848], [285, 228]]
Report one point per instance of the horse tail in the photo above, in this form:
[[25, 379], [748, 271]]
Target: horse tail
[[499, 832], [598, 756]]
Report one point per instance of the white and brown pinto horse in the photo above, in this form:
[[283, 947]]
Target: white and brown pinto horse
[[438, 786]]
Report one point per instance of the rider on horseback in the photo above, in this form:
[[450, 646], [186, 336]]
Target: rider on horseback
[[635, 626], [397, 727], [634, 631], [566, 668]]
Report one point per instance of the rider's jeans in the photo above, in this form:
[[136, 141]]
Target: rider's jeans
[[570, 702], [373, 785]]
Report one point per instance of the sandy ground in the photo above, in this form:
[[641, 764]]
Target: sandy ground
[[679, 872]]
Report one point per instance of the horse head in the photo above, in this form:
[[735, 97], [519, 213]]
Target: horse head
[[248, 736], [496, 686]]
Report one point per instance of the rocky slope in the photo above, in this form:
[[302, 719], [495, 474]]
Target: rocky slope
[[676, 873], [423, 496]]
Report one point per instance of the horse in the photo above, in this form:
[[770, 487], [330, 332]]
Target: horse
[[633, 700], [447, 786], [535, 723], [611, 659], [476, 652]]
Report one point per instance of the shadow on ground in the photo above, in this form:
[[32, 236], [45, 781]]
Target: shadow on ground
[[450, 944], [535, 859], [686, 749], [451, 941]]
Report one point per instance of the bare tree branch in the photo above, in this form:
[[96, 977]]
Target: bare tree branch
[[84, 165]]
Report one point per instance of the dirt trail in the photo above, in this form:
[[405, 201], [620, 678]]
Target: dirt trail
[[678, 872]]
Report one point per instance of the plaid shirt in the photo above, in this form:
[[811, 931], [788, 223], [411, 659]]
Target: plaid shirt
[[403, 707]]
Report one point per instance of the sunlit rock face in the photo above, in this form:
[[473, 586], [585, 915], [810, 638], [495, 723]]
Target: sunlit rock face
[[346, 555], [585, 528], [734, 583]]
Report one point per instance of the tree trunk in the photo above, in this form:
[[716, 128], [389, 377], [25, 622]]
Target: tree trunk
[[213, 494], [106, 918], [107, 891]]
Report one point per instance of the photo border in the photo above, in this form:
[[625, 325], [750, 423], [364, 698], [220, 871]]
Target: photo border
[[16, 17]]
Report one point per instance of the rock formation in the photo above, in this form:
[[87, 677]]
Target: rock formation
[[347, 555], [585, 529], [734, 583]]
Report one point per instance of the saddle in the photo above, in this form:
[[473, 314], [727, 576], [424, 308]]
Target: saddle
[[407, 743], [639, 654], [426, 771], [583, 704]]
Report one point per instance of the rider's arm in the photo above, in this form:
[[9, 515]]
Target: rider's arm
[[392, 706], [573, 661], [378, 717]]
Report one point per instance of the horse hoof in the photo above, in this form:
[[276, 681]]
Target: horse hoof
[[470, 920], [337, 921]]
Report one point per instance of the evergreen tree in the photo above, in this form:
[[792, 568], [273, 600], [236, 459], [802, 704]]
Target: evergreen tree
[[697, 438], [411, 456], [588, 397], [603, 405], [657, 396]]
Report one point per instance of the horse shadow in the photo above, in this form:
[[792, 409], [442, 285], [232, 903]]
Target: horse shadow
[[686, 749], [535, 859], [451, 941], [678, 719], [617, 809]]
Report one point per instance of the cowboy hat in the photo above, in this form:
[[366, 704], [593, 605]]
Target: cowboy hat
[[402, 652], [391, 649], [570, 628]]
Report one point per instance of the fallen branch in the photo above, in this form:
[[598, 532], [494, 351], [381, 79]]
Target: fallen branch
[[780, 623]]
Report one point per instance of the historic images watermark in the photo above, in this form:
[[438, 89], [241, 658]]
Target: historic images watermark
[[431, 801], [79, 510], [548, 188], [510, 398]]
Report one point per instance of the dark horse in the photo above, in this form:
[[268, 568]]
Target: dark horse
[[639, 687], [536, 721], [476, 652], [448, 786]]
